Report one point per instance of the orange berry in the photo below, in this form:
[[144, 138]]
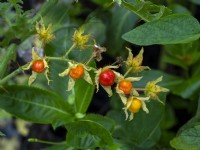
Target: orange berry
[[76, 73], [126, 86], [38, 66]]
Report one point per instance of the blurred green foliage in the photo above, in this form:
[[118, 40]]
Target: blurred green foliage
[[171, 25]]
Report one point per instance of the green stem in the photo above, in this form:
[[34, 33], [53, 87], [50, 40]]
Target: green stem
[[89, 61], [127, 72], [59, 59], [69, 50], [44, 142], [13, 74]]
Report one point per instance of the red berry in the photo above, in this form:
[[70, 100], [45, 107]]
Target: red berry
[[38, 66], [107, 78]]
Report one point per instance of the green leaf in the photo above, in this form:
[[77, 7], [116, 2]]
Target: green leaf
[[58, 16], [193, 120], [97, 28], [1, 134], [102, 120], [173, 29], [88, 134], [146, 10], [35, 105], [6, 59], [4, 114], [83, 97], [15, 32], [7, 16], [188, 87], [183, 55], [169, 119], [179, 9], [195, 2], [121, 22], [189, 134], [44, 10], [188, 139], [17, 5], [104, 3]]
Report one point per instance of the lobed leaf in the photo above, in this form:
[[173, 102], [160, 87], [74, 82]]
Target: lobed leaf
[[173, 29]]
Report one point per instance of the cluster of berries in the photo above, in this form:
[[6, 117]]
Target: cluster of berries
[[105, 77]]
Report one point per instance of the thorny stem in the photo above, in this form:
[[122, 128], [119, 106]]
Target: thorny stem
[[127, 72], [69, 50], [44, 142]]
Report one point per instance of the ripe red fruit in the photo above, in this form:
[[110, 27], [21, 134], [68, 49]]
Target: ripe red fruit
[[38, 66], [126, 86], [107, 78], [76, 73]]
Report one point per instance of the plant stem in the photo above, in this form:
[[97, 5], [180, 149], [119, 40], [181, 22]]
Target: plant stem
[[14, 73], [44, 142], [59, 59], [127, 72], [69, 50], [89, 61], [11, 75]]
